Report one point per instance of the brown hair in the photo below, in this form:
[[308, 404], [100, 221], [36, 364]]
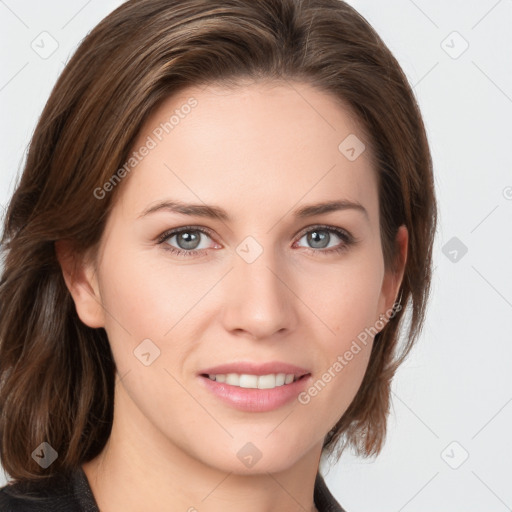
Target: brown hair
[[57, 375]]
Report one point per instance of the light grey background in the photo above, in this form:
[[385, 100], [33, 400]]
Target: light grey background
[[452, 398]]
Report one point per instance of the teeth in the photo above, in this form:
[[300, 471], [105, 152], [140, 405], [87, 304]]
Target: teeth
[[255, 381]]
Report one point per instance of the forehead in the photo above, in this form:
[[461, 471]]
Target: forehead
[[252, 148]]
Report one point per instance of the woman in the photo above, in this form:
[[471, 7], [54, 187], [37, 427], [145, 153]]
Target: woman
[[225, 208]]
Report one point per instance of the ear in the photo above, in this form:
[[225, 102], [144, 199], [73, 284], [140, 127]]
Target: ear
[[81, 280], [394, 276]]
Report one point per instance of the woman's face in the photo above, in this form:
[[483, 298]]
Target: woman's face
[[250, 280]]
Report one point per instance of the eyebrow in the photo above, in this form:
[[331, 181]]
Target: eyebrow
[[216, 212]]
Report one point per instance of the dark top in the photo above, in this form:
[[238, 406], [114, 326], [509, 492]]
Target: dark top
[[71, 492]]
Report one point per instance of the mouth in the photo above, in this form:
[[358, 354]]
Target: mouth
[[254, 393]]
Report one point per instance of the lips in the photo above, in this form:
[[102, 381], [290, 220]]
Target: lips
[[247, 367]]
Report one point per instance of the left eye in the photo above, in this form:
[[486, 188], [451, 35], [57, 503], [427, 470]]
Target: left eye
[[320, 237]]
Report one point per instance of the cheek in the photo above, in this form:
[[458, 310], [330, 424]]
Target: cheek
[[345, 301], [154, 306], [343, 296], [148, 295]]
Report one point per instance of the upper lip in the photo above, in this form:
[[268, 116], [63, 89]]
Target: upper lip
[[251, 368]]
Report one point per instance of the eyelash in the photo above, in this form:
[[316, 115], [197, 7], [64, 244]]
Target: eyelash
[[345, 236]]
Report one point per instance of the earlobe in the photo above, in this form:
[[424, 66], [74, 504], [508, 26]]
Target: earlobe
[[81, 280]]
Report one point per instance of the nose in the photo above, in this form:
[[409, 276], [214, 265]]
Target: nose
[[259, 299]]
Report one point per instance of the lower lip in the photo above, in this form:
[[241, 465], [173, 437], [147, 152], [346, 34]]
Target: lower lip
[[256, 400]]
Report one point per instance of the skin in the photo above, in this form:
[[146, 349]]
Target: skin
[[259, 151]]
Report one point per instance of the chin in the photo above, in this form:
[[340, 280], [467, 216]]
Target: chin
[[257, 455]]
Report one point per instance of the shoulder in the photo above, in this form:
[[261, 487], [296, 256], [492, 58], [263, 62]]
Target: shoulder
[[53, 494]]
